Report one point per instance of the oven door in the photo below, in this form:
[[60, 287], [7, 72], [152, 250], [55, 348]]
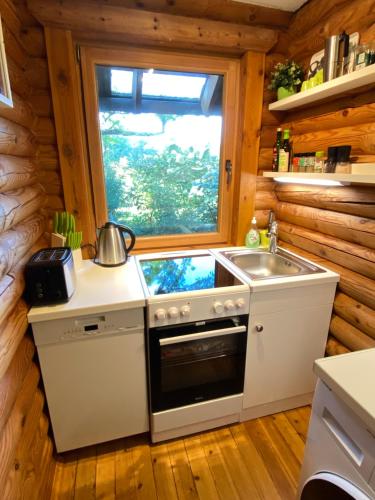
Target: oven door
[[196, 362]]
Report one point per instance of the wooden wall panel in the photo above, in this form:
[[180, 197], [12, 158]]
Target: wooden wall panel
[[334, 226], [23, 131]]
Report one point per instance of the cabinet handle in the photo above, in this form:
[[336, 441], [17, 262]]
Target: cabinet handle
[[259, 328]]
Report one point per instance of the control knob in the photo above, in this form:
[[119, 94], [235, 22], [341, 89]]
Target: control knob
[[173, 312], [160, 314], [185, 311], [218, 307], [229, 305], [240, 303]]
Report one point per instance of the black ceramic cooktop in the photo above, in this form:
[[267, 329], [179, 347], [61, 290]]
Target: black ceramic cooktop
[[183, 274]]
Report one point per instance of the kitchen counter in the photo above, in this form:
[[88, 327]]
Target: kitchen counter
[[98, 289], [351, 377]]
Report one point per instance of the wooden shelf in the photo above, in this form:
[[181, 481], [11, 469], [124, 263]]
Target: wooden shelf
[[311, 177], [332, 89]]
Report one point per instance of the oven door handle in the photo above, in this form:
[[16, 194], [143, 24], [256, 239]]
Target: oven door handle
[[202, 335]]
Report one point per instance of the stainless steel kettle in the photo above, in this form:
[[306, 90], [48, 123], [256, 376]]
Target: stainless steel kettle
[[112, 249]]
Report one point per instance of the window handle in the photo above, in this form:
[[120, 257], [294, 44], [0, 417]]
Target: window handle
[[228, 169]]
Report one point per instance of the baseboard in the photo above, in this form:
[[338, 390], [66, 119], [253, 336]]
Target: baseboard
[[276, 406]]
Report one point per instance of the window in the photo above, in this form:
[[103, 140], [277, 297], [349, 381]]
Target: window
[[160, 131]]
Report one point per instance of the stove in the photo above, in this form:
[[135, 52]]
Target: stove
[[189, 286], [197, 320]]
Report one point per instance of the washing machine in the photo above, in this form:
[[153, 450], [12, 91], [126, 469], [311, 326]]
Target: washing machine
[[339, 461]]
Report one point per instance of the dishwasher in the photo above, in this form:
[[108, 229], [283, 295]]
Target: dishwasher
[[94, 374]]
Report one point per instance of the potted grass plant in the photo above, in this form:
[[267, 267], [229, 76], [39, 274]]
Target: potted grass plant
[[286, 78], [65, 234]]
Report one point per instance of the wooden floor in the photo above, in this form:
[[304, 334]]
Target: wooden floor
[[258, 459]]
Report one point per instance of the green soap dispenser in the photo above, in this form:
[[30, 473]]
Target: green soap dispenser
[[252, 239]]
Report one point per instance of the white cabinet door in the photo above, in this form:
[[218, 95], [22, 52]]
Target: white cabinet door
[[281, 349]]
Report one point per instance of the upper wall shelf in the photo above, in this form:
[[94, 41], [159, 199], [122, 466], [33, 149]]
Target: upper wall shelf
[[333, 88]]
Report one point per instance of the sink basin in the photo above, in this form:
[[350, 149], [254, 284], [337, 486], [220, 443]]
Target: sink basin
[[265, 265]]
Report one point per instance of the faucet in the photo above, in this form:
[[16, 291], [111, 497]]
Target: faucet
[[272, 234]]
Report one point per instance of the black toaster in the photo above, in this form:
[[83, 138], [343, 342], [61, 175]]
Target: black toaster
[[50, 277]]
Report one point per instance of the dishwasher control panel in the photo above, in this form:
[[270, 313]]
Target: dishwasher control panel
[[88, 326]]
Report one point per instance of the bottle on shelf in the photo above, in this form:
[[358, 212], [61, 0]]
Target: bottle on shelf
[[276, 150], [319, 162], [285, 153], [252, 239]]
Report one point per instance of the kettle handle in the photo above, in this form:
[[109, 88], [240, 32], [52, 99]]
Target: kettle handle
[[127, 230]]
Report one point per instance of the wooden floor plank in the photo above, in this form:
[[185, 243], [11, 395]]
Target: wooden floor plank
[[281, 480], [290, 436], [254, 463], [65, 477], [299, 418], [124, 472], [243, 481], [204, 481], [105, 471], [163, 474], [143, 473], [218, 467], [86, 474], [258, 459], [183, 476]]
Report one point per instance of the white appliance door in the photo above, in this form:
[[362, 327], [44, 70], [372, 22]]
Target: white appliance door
[[328, 486], [96, 388]]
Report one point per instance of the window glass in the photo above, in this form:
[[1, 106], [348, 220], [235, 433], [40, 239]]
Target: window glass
[[161, 141]]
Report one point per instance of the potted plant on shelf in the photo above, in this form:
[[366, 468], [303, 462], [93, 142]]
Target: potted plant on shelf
[[286, 78]]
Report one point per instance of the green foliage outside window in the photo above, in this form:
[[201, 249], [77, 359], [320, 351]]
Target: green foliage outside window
[[154, 192]]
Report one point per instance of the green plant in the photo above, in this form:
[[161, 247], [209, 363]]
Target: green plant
[[65, 224], [288, 75]]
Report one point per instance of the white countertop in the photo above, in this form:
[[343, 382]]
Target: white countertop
[[352, 377], [98, 289]]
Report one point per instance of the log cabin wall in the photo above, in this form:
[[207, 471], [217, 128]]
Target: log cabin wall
[[29, 183], [335, 227]]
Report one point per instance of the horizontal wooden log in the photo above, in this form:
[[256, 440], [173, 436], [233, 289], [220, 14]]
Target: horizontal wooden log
[[267, 136], [12, 431], [18, 82], [270, 118], [18, 240], [51, 181], [357, 19], [347, 117], [312, 14], [44, 131], [12, 331], [265, 200], [355, 313], [13, 378], [41, 103], [353, 257], [334, 347], [354, 200], [32, 39], [119, 23], [24, 14], [15, 139], [262, 218], [16, 205], [265, 159], [349, 336], [339, 104], [24, 478], [16, 172], [55, 202], [351, 283], [217, 10], [361, 137], [14, 49], [359, 230], [12, 285], [36, 73], [265, 184], [21, 112]]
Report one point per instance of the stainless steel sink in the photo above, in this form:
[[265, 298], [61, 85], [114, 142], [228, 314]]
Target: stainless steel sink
[[265, 265]]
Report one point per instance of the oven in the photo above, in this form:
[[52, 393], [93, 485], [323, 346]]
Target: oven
[[197, 361]]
